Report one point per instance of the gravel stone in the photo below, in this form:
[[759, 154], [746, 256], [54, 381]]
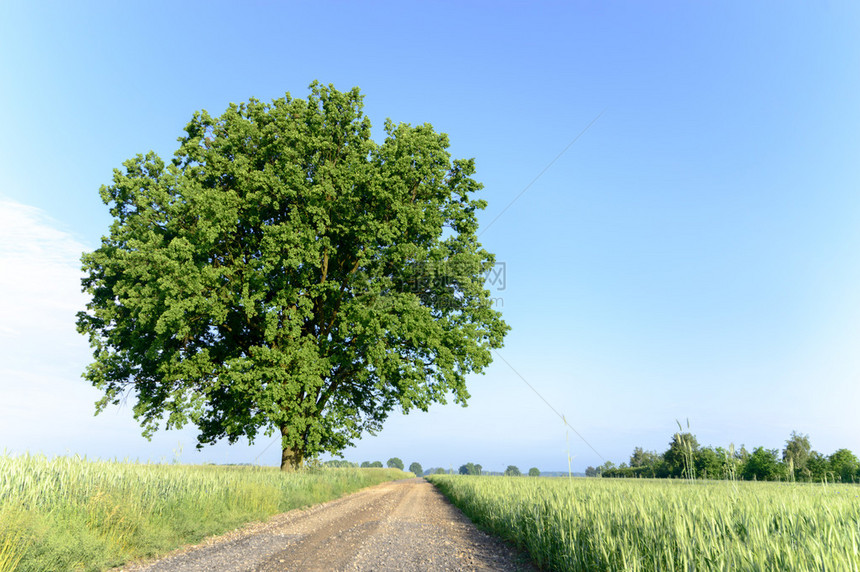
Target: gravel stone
[[402, 525]]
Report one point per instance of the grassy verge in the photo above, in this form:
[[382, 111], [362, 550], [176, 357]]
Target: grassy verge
[[73, 514], [639, 524]]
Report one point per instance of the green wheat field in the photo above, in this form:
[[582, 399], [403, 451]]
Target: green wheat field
[[643, 524], [69, 513]]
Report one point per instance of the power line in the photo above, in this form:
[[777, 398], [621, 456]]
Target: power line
[[266, 449], [562, 417], [504, 210], [545, 169]]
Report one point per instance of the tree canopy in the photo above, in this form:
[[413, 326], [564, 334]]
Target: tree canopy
[[844, 465], [763, 465], [799, 462], [643, 458], [284, 273], [394, 463], [416, 468], [679, 456], [470, 469], [796, 454], [340, 464]]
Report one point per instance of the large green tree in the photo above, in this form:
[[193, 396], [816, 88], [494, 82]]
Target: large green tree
[[284, 273], [796, 454], [470, 469], [763, 465], [680, 456], [844, 465], [643, 458], [512, 471], [709, 463], [818, 467]]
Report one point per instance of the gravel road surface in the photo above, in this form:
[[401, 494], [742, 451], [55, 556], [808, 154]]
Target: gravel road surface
[[400, 525]]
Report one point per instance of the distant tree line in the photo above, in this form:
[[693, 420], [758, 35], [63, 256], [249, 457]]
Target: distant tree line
[[417, 469], [686, 459], [510, 471], [470, 469], [438, 471], [340, 464], [392, 463]]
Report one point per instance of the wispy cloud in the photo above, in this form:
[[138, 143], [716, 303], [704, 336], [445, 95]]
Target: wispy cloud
[[39, 290], [45, 405]]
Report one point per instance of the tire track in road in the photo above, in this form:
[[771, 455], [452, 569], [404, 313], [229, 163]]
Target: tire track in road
[[402, 525]]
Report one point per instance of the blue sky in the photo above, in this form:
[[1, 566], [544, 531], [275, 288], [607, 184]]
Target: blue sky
[[694, 254]]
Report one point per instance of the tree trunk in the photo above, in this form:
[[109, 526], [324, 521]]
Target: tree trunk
[[291, 459]]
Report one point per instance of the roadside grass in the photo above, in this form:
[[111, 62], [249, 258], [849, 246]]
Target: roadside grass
[[68, 513], [643, 524]]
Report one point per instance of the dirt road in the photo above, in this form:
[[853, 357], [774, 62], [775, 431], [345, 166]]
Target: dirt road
[[401, 525]]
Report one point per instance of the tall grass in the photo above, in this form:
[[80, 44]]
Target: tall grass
[[594, 524], [73, 514]]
